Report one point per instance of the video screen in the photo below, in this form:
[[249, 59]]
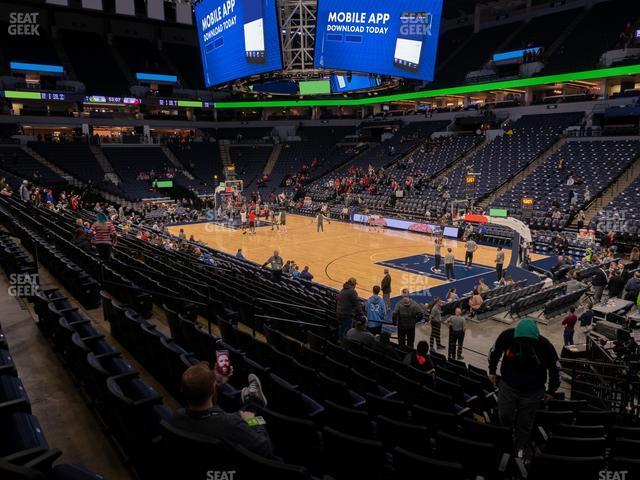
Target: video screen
[[238, 38], [389, 37]]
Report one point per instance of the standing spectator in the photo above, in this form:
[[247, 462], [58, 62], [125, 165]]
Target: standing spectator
[[306, 274], [104, 236], [376, 311], [632, 288], [528, 359], [437, 257], [435, 318], [348, 307], [600, 281], [457, 323], [385, 286], [471, 247], [569, 324], [277, 263], [499, 262], [406, 314], [616, 284], [24, 192], [449, 260]]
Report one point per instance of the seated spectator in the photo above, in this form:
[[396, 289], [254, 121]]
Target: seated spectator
[[420, 359], [587, 316], [359, 334], [616, 284], [482, 287], [452, 295], [199, 386], [632, 288], [306, 274], [475, 302]]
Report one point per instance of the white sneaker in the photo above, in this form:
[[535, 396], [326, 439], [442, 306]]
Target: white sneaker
[[253, 389]]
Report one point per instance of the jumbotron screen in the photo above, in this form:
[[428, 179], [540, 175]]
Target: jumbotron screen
[[238, 38], [389, 37]]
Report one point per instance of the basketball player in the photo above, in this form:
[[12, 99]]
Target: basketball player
[[282, 219], [243, 221], [320, 221], [252, 222]]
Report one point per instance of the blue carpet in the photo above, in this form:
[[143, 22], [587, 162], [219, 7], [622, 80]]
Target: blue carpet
[[467, 284], [424, 265]]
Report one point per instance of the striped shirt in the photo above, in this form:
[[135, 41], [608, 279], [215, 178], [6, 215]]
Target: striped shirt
[[103, 232]]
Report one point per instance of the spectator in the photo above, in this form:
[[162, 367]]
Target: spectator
[[482, 286], [528, 359], [406, 314], [348, 306], [457, 324], [104, 236], [569, 324], [587, 316], [632, 288], [452, 295], [306, 274], [24, 192], [475, 302], [599, 282], [420, 359], [359, 334], [376, 311], [435, 317], [277, 263], [239, 254], [199, 387], [616, 284], [385, 286]]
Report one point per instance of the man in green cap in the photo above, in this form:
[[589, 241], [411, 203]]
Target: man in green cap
[[528, 360]]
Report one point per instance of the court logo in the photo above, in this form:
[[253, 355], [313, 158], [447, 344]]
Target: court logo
[[24, 24]]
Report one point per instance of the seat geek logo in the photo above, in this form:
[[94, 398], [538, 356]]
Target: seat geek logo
[[416, 24], [24, 24]]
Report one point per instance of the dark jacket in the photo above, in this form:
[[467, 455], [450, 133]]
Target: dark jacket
[[616, 285], [525, 362], [385, 285], [348, 303], [407, 313], [229, 427], [632, 289], [600, 278]]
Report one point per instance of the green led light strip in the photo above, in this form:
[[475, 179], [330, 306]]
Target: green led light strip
[[189, 103], [480, 87], [22, 95]]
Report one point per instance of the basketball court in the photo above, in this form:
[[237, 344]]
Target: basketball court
[[346, 250]]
